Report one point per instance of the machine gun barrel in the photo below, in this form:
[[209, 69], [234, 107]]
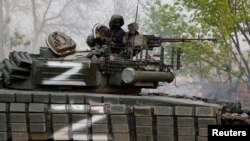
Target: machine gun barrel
[[154, 41], [185, 39], [155, 38]]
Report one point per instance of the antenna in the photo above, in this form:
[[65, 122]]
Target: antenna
[[137, 8], [136, 15]]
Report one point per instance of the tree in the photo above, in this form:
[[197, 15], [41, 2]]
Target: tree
[[126, 8], [71, 17], [210, 61], [229, 20], [76, 18], [40, 23], [9, 38]]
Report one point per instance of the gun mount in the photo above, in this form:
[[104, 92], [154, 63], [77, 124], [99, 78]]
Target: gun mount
[[146, 43]]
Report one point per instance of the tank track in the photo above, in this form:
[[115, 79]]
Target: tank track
[[37, 115]]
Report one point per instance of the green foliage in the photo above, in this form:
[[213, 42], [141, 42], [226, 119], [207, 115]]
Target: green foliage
[[18, 38], [228, 20], [163, 20], [13, 38], [206, 19]]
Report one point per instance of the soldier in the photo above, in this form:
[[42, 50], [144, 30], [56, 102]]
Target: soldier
[[132, 32], [116, 33], [96, 42], [96, 47], [103, 36], [129, 38], [133, 29]]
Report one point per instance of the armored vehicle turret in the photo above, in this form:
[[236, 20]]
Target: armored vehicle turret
[[126, 66]]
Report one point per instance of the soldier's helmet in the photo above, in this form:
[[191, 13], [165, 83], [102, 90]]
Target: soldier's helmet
[[99, 31], [116, 21], [133, 26]]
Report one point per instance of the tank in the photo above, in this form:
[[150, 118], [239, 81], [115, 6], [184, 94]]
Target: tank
[[62, 94]]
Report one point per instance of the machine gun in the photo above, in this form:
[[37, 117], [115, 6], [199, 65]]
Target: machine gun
[[153, 41], [140, 43]]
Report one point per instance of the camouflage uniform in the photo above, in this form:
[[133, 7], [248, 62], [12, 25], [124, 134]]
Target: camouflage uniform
[[129, 36], [97, 50], [113, 36]]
